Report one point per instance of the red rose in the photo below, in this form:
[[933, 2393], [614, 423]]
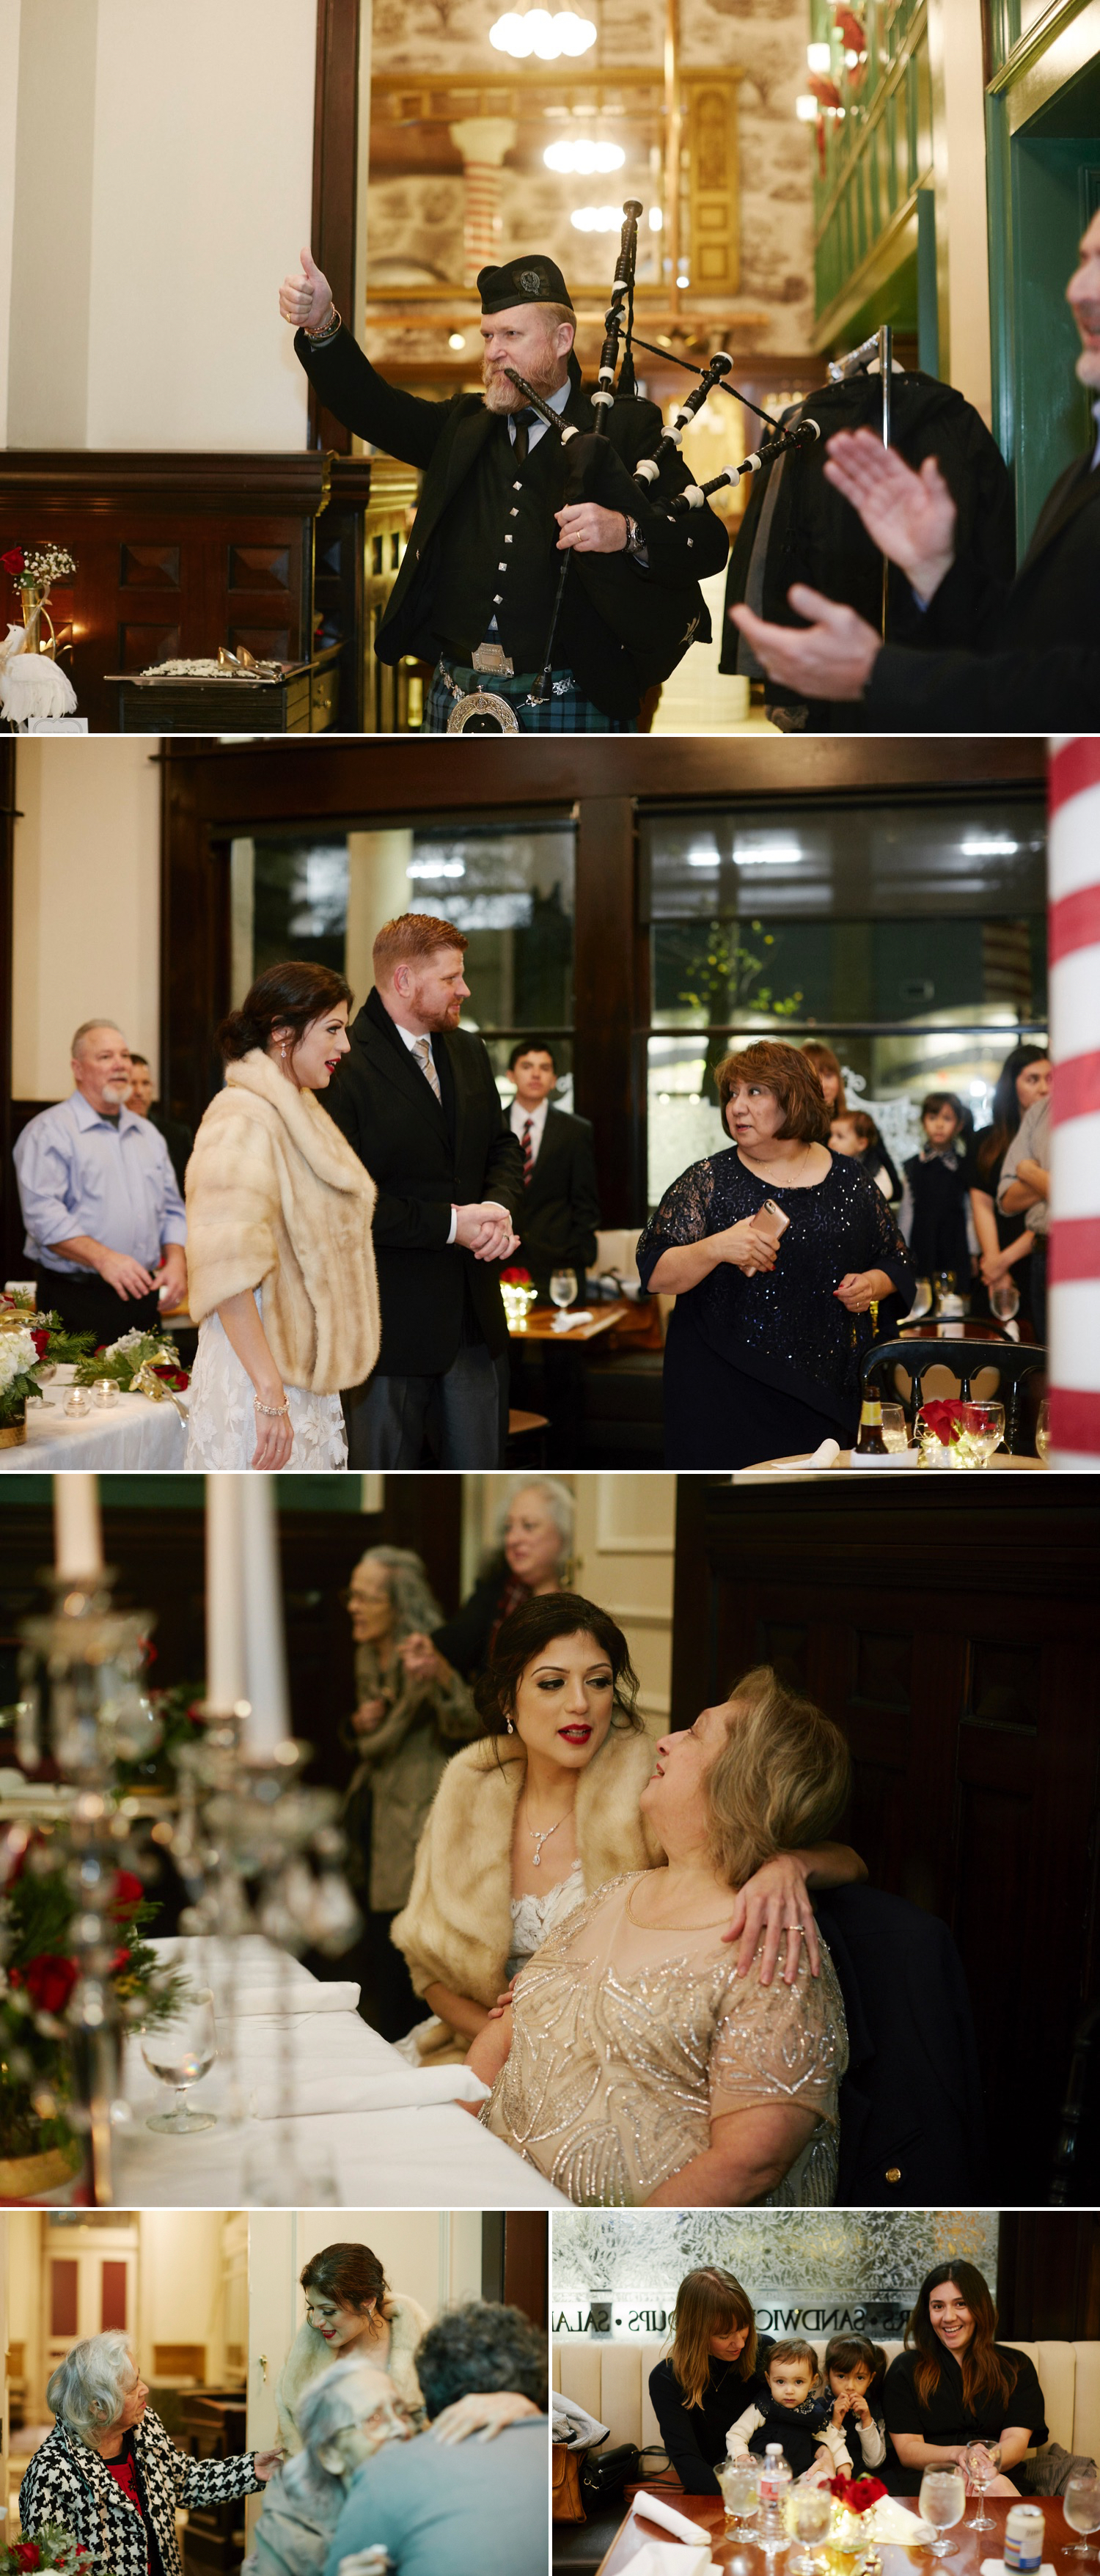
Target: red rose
[[172, 1376], [13, 563], [40, 1336], [516, 1278], [121, 1960], [49, 1981], [26, 2553], [858, 2494], [129, 1892]]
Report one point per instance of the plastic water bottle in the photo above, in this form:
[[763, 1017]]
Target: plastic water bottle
[[775, 2486]]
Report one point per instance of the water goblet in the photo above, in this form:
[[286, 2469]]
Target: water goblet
[[987, 1429], [895, 1429], [942, 2503], [563, 1293], [180, 2051], [1081, 2507], [740, 2484], [981, 2461], [811, 2513]]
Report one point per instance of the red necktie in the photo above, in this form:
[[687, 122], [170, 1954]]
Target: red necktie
[[528, 1157]]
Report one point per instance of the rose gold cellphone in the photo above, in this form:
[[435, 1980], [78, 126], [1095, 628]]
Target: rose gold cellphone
[[771, 1221]]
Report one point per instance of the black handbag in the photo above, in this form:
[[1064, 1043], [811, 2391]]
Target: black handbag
[[604, 2474]]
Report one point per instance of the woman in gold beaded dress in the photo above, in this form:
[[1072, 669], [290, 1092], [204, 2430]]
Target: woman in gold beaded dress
[[635, 2066]]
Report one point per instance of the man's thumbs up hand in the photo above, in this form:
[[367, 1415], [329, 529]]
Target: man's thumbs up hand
[[306, 300]]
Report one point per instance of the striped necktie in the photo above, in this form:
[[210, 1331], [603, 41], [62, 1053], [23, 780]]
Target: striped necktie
[[528, 1153], [422, 1050]]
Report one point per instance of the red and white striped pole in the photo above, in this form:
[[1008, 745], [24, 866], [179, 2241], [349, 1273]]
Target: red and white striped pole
[[1074, 1255]]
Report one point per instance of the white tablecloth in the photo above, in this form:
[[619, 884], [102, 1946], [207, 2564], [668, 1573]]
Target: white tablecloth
[[886, 1472], [438, 2158], [135, 1432]]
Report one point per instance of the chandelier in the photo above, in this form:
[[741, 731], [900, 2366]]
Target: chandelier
[[537, 32]]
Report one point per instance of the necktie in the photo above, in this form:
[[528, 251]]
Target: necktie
[[528, 1156], [423, 1053], [524, 423]]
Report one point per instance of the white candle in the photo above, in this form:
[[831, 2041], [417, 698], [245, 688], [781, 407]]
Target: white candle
[[78, 1542], [265, 1643], [225, 1678]]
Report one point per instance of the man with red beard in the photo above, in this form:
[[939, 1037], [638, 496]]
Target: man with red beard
[[498, 516], [992, 658]]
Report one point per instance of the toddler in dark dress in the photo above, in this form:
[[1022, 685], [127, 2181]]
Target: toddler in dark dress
[[797, 2412], [932, 1217]]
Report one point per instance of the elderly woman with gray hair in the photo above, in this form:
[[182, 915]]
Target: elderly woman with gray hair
[[109, 2472], [403, 1730], [344, 2417]]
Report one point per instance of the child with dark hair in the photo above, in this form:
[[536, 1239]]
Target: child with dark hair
[[934, 1206], [853, 1131], [855, 2369], [796, 2412]]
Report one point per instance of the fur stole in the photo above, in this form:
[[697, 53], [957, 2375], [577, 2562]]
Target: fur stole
[[309, 2355], [277, 1200], [456, 1929]]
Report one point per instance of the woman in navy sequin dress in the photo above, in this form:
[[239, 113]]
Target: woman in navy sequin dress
[[765, 1339]]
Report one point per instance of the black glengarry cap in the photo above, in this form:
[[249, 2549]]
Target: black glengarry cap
[[531, 279]]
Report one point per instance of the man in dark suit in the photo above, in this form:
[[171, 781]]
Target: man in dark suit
[[503, 504], [992, 658], [560, 1209], [177, 1137], [417, 1100]]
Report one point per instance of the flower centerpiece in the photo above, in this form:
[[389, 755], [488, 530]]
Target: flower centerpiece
[[34, 570], [53, 2548], [138, 1364], [951, 1433], [518, 1292], [31, 1344], [38, 1972], [853, 2501]]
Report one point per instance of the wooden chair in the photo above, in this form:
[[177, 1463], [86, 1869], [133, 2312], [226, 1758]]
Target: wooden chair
[[1014, 1363]]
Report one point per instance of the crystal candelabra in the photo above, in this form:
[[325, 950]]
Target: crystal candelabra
[[258, 1852]]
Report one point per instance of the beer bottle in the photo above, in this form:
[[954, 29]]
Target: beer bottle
[[870, 1443]]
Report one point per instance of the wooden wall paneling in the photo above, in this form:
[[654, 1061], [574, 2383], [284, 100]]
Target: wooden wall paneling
[[425, 1512], [606, 1002], [526, 2262], [1048, 2275], [335, 154], [11, 1227]]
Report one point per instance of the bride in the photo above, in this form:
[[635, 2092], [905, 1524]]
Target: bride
[[280, 1255]]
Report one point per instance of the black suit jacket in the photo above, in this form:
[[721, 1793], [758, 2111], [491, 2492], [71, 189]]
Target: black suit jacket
[[424, 1159], [1008, 659], [622, 629], [560, 1208], [911, 2101]]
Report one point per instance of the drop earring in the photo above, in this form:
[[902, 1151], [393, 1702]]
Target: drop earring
[[508, 1726]]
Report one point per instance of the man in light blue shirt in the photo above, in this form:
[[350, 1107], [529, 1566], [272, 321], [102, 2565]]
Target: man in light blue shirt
[[104, 1217], [476, 2508]]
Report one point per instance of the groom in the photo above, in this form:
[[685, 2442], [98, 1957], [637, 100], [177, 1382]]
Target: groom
[[417, 1101]]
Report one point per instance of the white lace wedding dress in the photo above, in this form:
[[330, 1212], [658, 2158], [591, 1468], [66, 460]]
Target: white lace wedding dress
[[221, 1415], [533, 1918]]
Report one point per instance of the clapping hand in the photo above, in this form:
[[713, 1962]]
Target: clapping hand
[[368, 1716], [831, 658], [909, 517], [305, 300]]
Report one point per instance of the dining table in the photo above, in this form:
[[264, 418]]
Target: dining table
[[562, 1352], [968, 2551], [903, 1463], [133, 1432], [290, 2044]]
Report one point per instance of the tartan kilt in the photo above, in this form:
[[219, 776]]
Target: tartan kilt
[[566, 710]]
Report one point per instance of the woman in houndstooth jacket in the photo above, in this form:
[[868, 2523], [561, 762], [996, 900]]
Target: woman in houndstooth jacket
[[109, 2472]]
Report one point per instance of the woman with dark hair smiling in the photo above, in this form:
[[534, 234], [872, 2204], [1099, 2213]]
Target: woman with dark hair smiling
[[955, 2386], [282, 1276], [774, 1250], [711, 2374], [546, 1809]]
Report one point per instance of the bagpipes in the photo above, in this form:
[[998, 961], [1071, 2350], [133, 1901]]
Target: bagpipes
[[804, 434]]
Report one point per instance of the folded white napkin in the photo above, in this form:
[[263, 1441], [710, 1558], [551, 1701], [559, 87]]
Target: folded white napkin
[[563, 1323], [251, 2002], [900, 2524], [404, 2090], [656, 2510], [670, 2558], [825, 1456]]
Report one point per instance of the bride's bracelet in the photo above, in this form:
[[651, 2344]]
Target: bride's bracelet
[[274, 1412]]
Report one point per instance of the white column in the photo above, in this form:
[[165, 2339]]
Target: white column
[[962, 221], [1074, 1251], [483, 142], [379, 888], [268, 1724]]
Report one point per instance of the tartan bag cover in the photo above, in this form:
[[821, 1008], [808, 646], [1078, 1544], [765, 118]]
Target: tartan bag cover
[[67, 2482]]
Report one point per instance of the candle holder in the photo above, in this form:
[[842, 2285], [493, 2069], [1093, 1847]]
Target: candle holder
[[78, 1401], [105, 1392]]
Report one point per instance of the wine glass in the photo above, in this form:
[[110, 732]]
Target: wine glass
[[981, 2461], [180, 2051], [942, 2503], [563, 1291], [1004, 1300], [811, 2512], [740, 2484], [986, 1424], [1042, 1430], [1081, 2507], [895, 1429]]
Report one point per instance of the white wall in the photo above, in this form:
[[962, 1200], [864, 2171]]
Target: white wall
[[87, 903], [9, 102], [181, 2283], [164, 187], [624, 1558]]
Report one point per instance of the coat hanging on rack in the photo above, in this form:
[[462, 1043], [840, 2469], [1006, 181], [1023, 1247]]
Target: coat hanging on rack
[[797, 528]]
